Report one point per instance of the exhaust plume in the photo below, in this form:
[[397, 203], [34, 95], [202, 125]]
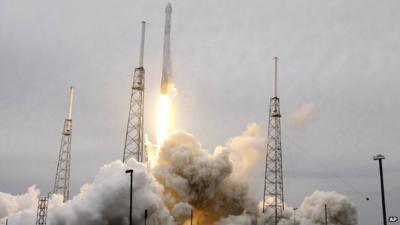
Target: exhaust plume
[[185, 177]]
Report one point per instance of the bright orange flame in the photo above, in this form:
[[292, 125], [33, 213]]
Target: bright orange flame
[[163, 119]]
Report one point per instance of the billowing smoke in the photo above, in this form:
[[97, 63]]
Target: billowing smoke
[[191, 175], [340, 209], [106, 200], [247, 154], [182, 212], [302, 117], [12, 204], [186, 181], [240, 219]]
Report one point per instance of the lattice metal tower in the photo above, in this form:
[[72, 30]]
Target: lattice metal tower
[[41, 215], [134, 139], [273, 184], [61, 184]]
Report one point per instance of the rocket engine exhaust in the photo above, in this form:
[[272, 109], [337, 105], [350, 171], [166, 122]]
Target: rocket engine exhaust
[[167, 68], [167, 87]]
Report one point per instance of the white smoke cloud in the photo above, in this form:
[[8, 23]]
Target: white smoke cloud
[[247, 150], [106, 200], [341, 211], [245, 218], [186, 177], [247, 154], [302, 117], [27, 216], [11, 204]]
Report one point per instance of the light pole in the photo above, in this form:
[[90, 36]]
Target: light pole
[[294, 215], [379, 158], [326, 215], [248, 217], [130, 199], [191, 216], [145, 217]]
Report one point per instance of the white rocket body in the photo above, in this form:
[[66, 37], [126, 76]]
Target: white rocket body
[[167, 68]]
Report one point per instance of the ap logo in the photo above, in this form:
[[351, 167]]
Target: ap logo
[[393, 219]]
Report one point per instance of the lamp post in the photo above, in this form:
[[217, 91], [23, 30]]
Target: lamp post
[[379, 158], [191, 216], [145, 217], [294, 215], [326, 215], [130, 199]]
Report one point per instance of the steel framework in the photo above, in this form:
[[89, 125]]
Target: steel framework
[[273, 183], [41, 215], [134, 138], [61, 184]]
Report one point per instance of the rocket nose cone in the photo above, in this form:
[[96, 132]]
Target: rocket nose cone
[[168, 9]]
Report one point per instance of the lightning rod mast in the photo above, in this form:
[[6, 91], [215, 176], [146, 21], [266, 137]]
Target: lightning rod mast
[[134, 138], [273, 183], [61, 184]]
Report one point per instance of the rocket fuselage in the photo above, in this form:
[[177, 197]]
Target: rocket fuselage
[[167, 70]]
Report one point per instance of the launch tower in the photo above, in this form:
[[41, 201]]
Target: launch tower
[[273, 183], [41, 216], [61, 184], [134, 146]]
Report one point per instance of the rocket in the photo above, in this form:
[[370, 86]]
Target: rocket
[[166, 79]]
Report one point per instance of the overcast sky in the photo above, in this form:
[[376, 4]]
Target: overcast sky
[[338, 64]]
